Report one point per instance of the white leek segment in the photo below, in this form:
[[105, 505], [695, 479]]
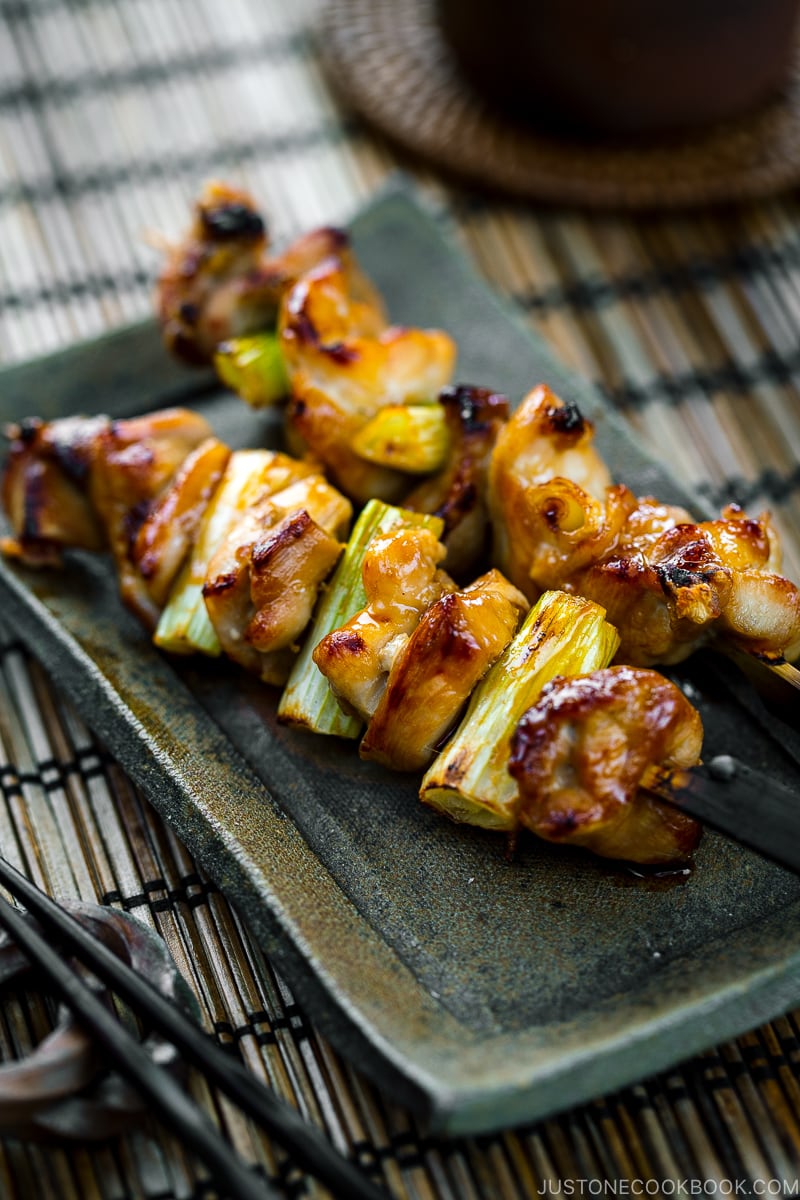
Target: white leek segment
[[469, 781], [410, 437], [254, 368], [307, 701]]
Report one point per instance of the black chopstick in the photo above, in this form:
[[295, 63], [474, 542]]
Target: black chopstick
[[307, 1145], [166, 1097]]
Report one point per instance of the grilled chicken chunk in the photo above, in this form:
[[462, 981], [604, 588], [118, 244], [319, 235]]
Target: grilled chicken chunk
[[263, 580], [580, 753], [551, 497], [344, 364], [168, 531], [651, 517], [89, 482], [668, 592], [458, 493], [667, 584], [134, 461], [218, 282], [453, 646], [45, 488], [401, 579]]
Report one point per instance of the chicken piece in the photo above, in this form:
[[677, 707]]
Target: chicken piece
[[218, 282], [344, 364], [133, 462], [552, 502], [45, 488], [458, 493], [168, 531], [401, 580], [580, 753], [650, 518], [262, 582], [454, 645], [762, 615], [251, 478], [669, 592]]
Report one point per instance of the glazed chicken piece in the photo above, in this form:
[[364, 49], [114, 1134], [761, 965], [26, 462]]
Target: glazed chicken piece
[[262, 582], [167, 533], [219, 282], [453, 646], [667, 584], [401, 579], [668, 592], [45, 488], [134, 462], [344, 364], [651, 518], [89, 482], [580, 753], [458, 493], [553, 505]]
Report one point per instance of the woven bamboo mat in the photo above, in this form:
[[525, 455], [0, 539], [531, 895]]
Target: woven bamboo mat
[[111, 116]]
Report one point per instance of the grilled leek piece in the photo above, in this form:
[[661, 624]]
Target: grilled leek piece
[[253, 367], [410, 437], [307, 701], [469, 781]]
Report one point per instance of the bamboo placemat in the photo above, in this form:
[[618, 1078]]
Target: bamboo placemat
[[111, 116]]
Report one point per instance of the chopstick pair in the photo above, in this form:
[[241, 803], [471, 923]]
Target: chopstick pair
[[307, 1146]]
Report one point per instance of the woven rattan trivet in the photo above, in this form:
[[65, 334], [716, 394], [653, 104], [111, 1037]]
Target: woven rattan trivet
[[389, 60]]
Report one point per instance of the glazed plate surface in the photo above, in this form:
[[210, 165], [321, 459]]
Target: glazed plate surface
[[481, 991]]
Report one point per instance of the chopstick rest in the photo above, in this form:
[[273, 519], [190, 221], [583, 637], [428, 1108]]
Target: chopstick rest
[[62, 1089]]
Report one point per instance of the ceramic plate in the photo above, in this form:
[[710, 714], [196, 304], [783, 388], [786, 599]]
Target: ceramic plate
[[481, 991]]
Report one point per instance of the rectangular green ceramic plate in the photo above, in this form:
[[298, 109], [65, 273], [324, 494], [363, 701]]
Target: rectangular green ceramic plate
[[483, 992]]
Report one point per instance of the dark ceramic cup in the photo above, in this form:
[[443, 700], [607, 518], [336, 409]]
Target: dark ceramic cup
[[623, 66]]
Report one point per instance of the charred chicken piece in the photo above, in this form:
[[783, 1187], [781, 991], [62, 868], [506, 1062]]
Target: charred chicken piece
[[762, 615], [218, 281], [345, 364], [669, 592], [580, 753], [134, 462], [168, 531], [45, 488], [251, 478], [263, 580], [401, 579], [458, 493], [89, 482], [553, 505], [454, 645]]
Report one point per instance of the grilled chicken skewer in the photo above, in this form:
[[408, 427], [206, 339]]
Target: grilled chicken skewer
[[559, 521], [240, 544], [408, 662], [261, 530], [668, 584]]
